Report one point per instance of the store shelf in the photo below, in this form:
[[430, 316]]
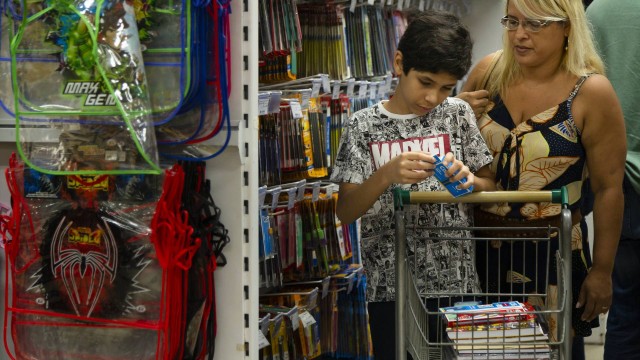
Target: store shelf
[[234, 176]]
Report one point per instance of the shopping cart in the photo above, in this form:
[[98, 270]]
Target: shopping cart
[[420, 324]]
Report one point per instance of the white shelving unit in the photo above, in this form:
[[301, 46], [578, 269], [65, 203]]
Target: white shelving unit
[[234, 177]]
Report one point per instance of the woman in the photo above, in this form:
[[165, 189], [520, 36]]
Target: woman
[[552, 119]]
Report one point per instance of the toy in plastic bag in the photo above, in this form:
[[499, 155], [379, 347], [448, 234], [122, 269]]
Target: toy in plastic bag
[[94, 266]]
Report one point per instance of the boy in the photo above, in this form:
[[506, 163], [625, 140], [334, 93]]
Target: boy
[[392, 144]]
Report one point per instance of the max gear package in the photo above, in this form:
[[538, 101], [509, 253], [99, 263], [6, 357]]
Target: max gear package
[[98, 267], [95, 84], [80, 94]]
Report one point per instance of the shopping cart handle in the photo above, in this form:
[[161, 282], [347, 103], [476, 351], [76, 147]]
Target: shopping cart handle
[[402, 197]]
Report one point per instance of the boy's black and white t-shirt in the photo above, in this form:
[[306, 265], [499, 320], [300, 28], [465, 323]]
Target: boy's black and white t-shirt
[[372, 138]]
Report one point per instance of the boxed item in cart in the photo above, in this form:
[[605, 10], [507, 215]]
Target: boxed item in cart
[[440, 173]]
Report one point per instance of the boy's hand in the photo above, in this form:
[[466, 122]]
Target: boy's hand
[[409, 168], [478, 100], [458, 171]]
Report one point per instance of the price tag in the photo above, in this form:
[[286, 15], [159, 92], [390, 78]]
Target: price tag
[[292, 198], [326, 84], [263, 103], [373, 90], [350, 284], [262, 341], [359, 277], [275, 197], [371, 2], [315, 193], [362, 92], [304, 102], [421, 5], [315, 88], [325, 286], [336, 91], [330, 189], [351, 83], [400, 4], [352, 7], [307, 319], [382, 90], [295, 320], [300, 189], [262, 193], [274, 103], [296, 110], [340, 236]]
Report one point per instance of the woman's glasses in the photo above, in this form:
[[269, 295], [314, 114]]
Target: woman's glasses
[[531, 25]]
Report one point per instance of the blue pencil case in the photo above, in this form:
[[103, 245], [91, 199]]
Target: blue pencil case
[[440, 173]]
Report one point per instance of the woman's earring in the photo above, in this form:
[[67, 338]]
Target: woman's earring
[[566, 45]]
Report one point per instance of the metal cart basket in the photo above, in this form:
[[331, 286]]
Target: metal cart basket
[[423, 331]]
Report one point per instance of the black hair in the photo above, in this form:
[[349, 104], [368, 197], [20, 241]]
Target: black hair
[[436, 42]]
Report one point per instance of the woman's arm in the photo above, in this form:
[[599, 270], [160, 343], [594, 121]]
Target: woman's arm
[[604, 139]]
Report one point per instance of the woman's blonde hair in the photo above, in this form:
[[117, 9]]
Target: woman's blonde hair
[[580, 58]]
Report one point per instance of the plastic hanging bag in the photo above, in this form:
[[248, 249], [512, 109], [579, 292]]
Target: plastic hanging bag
[[195, 108], [166, 34], [200, 146], [217, 68], [81, 95], [202, 113], [91, 273]]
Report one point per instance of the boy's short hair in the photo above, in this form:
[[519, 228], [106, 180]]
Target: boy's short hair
[[435, 42]]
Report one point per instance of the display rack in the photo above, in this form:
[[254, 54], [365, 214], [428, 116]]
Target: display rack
[[234, 177]]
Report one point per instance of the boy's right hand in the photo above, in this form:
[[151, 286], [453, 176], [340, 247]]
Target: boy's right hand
[[409, 168]]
